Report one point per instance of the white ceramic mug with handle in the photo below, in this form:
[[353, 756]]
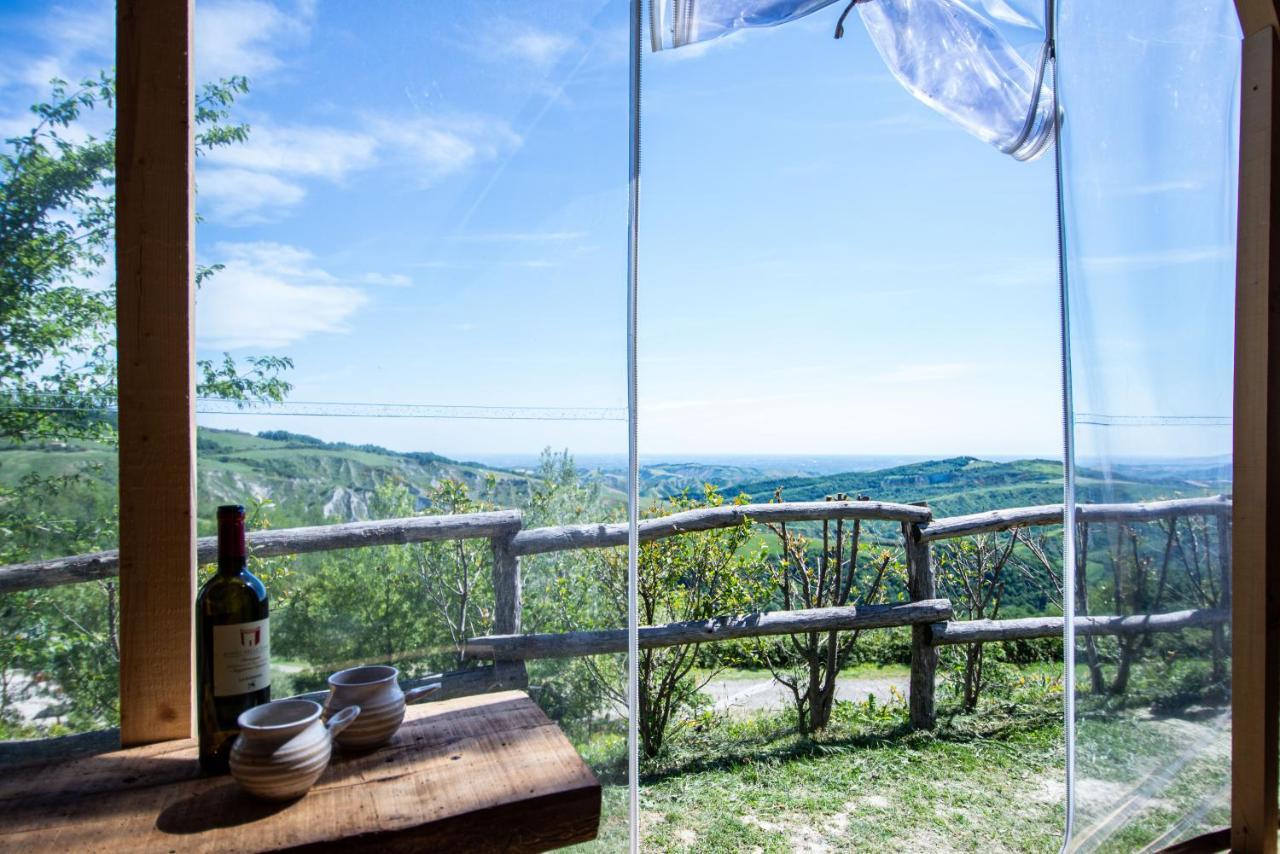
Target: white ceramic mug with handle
[[375, 688], [284, 747]]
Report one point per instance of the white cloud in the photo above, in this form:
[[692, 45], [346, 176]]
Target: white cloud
[[505, 39], [271, 295], [394, 280], [264, 176], [435, 148], [245, 197], [70, 42], [311, 151], [540, 48], [246, 36]]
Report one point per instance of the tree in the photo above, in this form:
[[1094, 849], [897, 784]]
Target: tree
[[809, 664], [693, 576], [58, 383], [974, 572], [57, 308]]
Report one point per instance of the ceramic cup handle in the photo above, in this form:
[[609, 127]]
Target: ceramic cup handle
[[340, 720], [413, 695]]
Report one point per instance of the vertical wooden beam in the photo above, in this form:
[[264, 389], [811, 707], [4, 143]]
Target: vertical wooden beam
[[924, 655], [155, 233], [1255, 574]]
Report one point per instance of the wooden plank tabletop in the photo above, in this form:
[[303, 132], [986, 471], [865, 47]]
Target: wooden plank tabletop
[[482, 773]]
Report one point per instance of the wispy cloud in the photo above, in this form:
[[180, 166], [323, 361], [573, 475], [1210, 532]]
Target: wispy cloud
[[1154, 260], [521, 236], [247, 36], [540, 48], [393, 280], [271, 295], [265, 176], [244, 196], [302, 150], [69, 42], [435, 147], [506, 39]]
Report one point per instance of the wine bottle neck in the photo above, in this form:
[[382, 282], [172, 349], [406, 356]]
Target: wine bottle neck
[[232, 555]]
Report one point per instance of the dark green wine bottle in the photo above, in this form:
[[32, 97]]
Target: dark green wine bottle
[[233, 644]]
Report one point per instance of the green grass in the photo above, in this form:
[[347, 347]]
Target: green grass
[[988, 781], [867, 783]]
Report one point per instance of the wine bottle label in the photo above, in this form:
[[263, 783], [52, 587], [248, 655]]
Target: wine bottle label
[[241, 658]]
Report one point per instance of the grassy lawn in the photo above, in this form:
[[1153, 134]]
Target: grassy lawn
[[866, 783], [989, 781]]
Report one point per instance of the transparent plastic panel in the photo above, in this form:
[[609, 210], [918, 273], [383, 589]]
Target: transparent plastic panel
[[1149, 151], [59, 656], [414, 305], [841, 297], [677, 23], [981, 63]]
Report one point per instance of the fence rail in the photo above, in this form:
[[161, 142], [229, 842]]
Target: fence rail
[[97, 566], [1052, 514], [1028, 628], [508, 648], [575, 644]]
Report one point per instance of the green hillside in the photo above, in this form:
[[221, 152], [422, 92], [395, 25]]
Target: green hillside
[[308, 480], [961, 485]]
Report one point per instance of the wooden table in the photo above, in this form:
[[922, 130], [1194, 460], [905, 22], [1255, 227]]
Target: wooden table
[[483, 773]]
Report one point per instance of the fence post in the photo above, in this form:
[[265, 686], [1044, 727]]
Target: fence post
[[924, 656], [507, 608]]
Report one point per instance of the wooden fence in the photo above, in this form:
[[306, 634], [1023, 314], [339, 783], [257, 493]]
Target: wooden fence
[[508, 648]]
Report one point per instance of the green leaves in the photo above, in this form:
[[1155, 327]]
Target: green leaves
[[58, 379], [260, 382]]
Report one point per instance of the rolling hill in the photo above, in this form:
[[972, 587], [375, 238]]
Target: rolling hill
[[961, 485], [308, 480]]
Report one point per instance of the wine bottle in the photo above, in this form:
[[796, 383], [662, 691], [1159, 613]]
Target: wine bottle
[[233, 644]]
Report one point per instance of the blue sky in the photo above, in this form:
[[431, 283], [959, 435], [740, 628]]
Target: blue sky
[[431, 210]]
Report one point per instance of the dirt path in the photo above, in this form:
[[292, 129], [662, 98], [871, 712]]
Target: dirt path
[[743, 696]]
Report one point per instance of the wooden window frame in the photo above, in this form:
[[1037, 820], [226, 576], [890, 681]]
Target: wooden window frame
[[155, 238], [1255, 570]]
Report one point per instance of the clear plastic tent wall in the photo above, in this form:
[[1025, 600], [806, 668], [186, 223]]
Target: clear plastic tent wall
[[1144, 99], [980, 63], [1149, 155]]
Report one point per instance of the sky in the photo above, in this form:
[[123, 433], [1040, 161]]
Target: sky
[[429, 217]]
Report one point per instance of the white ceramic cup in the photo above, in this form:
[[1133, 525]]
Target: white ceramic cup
[[284, 747], [376, 690]]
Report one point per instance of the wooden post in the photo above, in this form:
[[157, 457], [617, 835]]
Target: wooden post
[[507, 607], [924, 655], [506, 587], [154, 277], [1255, 535]]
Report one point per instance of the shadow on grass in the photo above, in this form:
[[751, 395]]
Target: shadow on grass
[[724, 746]]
